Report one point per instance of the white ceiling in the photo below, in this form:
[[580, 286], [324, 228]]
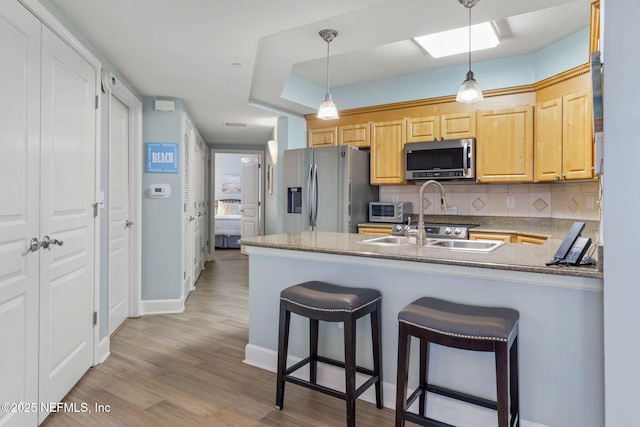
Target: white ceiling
[[222, 56]]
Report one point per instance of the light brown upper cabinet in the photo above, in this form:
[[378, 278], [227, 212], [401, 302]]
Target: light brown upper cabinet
[[357, 134], [322, 137], [564, 148], [387, 152], [439, 127], [594, 36], [504, 145]]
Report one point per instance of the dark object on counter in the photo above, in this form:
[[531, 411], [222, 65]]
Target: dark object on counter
[[331, 303], [466, 327], [573, 247]]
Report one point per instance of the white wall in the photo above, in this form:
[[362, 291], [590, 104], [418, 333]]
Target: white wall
[[622, 151]]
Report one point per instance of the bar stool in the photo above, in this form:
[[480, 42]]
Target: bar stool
[[331, 303], [465, 327]]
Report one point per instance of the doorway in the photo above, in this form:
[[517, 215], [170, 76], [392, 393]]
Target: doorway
[[237, 194]]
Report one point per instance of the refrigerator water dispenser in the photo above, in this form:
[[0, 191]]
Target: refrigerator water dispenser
[[294, 200]]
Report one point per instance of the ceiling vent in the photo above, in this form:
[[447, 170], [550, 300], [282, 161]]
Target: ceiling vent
[[234, 125]]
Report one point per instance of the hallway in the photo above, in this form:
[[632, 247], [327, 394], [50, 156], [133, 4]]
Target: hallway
[[186, 369]]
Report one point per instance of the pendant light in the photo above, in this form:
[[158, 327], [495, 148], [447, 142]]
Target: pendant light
[[470, 90], [328, 110]]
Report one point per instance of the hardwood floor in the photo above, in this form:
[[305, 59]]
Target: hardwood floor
[[186, 369]]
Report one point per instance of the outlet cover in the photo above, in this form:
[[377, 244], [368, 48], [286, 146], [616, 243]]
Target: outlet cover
[[511, 202], [453, 210]]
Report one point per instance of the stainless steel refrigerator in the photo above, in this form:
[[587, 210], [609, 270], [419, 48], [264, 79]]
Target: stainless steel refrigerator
[[327, 189]]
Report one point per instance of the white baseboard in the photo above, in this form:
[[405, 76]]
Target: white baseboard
[[447, 410], [103, 351], [163, 306]]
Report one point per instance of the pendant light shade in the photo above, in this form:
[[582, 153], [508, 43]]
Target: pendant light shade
[[328, 110], [470, 90]]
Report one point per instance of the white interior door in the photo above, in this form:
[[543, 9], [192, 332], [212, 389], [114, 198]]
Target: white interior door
[[19, 215], [199, 208], [188, 217], [119, 273], [250, 220], [67, 189], [197, 225]]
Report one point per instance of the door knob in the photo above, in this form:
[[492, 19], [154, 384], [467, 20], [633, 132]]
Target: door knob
[[46, 241], [34, 244], [128, 224]]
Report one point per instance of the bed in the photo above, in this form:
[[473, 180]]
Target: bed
[[227, 223]]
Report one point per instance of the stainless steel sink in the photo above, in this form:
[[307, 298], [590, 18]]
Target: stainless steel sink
[[466, 245], [451, 244], [390, 240]]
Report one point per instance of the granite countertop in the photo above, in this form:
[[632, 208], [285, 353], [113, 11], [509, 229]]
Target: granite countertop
[[510, 256]]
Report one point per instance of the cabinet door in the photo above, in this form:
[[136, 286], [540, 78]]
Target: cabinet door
[[422, 129], [387, 145], [505, 145], [530, 240], [376, 231], [357, 135], [459, 125], [500, 237], [322, 137], [548, 152], [577, 145], [437, 128]]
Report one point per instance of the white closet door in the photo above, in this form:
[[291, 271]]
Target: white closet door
[[199, 219], [119, 275], [19, 172], [67, 191], [188, 213]]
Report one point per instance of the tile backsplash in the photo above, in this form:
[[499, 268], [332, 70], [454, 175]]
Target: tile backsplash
[[571, 200]]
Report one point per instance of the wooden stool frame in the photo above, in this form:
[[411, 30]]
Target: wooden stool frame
[[349, 365], [506, 360]]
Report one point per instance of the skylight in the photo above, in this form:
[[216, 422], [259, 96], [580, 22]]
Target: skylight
[[452, 42]]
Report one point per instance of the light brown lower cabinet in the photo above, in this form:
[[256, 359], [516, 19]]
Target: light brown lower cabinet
[[377, 231], [507, 237]]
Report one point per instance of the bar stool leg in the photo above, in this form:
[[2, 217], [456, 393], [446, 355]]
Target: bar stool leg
[[283, 345], [313, 350], [404, 348], [376, 339], [424, 375], [349, 368], [513, 386], [502, 383]]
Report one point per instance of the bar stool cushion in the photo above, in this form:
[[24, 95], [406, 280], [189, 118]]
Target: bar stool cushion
[[460, 320], [327, 297]]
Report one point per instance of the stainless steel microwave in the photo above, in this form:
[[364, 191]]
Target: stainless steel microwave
[[451, 159]]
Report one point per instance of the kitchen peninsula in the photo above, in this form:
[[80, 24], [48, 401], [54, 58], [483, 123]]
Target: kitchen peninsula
[[561, 317]]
